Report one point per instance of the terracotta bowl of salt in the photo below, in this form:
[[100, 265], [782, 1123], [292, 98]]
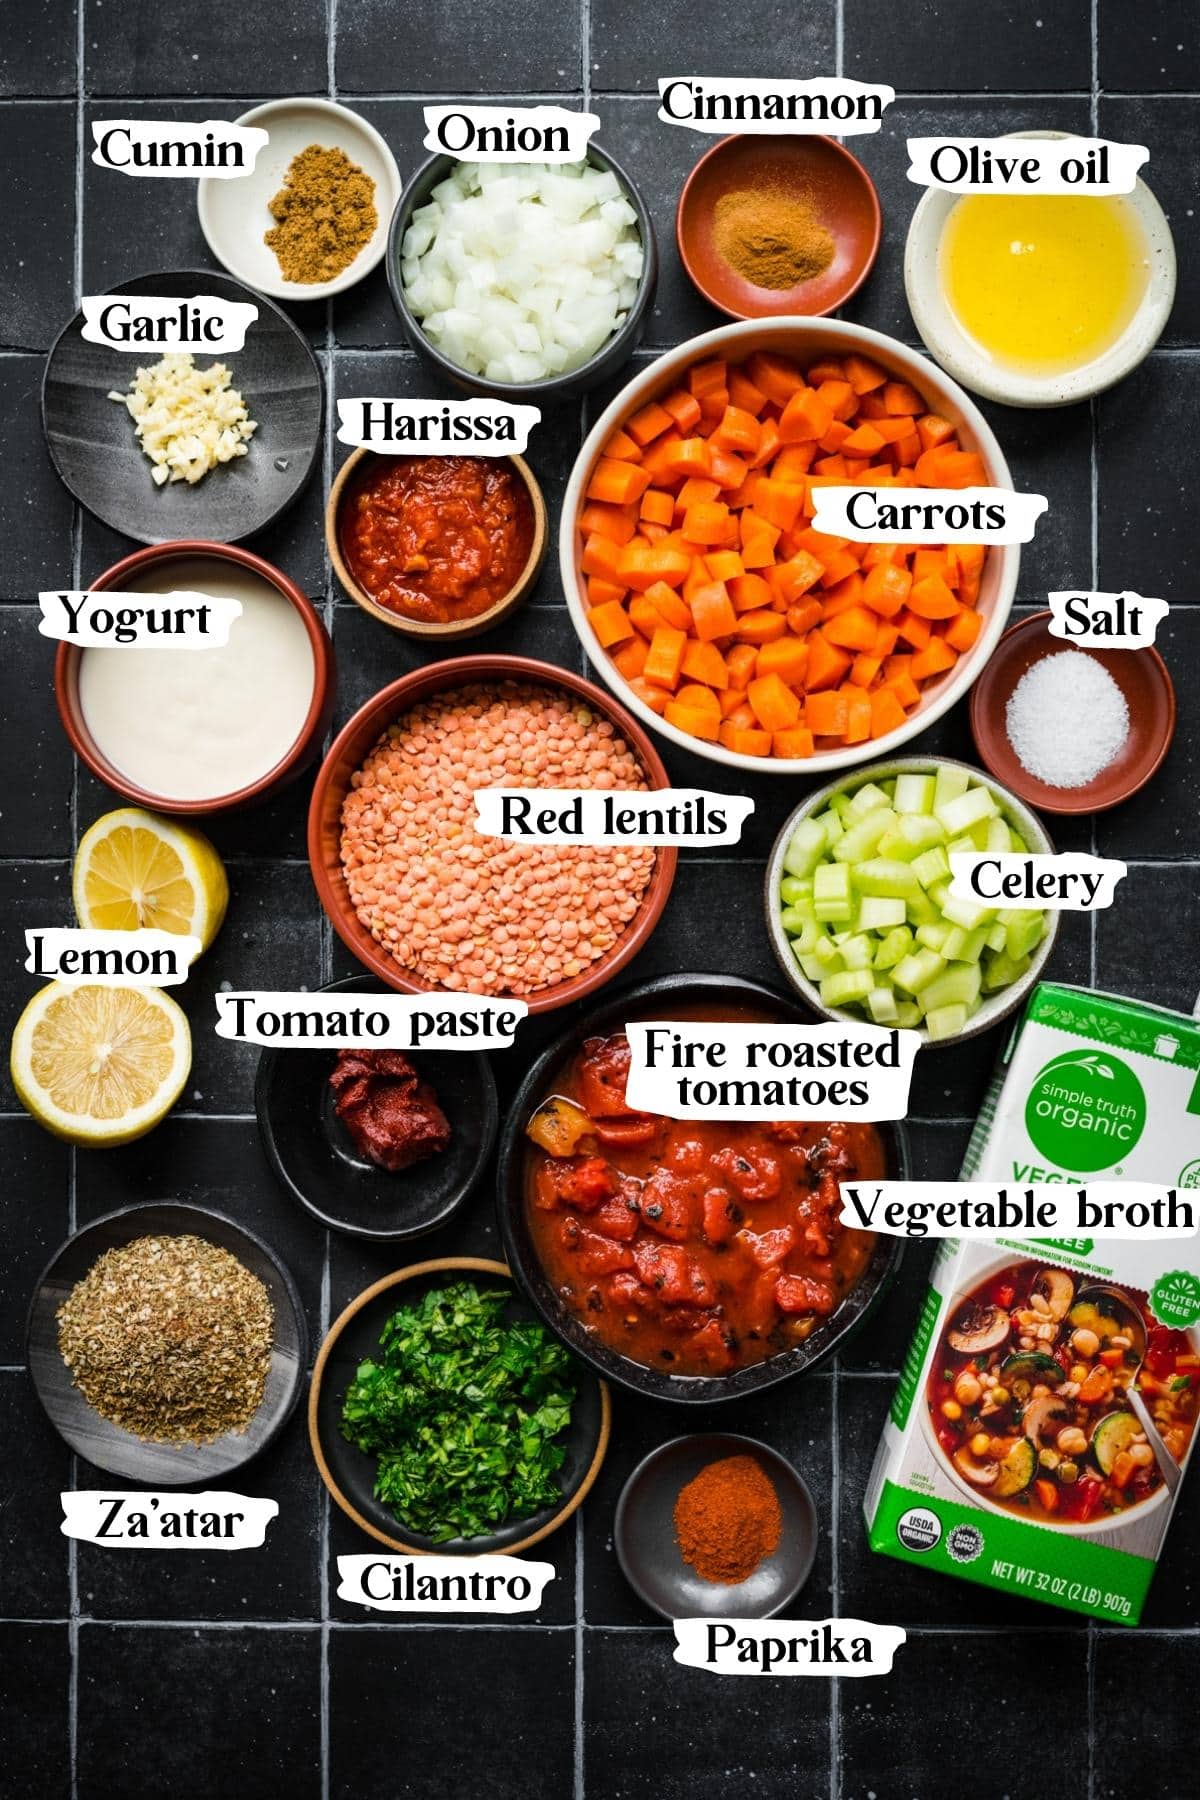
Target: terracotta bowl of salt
[[1144, 686], [800, 216]]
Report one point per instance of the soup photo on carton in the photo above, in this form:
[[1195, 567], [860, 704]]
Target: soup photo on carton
[[1048, 1402]]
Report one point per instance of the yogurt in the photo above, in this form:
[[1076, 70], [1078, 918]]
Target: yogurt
[[201, 724]]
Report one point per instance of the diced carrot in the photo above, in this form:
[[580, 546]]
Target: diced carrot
[[913, 630], [778, 377], [865, 669], [737, 431], [838, 566], [749, 592], [886, 637], [599, 591], [684, 408], [617, 483], [724, 565], [601, 556], [1047, 1493], [864, 375], [761, 627], [886, 712], [706, 524], [826, 713], [669, 607], [665, 660], [713, 614], [779, 503], [786, 657], [828, 369], [744, 740], [690, 456], [610, 623], [933, 429], [630, 659], [907, 450], [945, 467], [616, 522], [827, 664], [775, 705], [837, 394], [705, 725], [936, 657], [793, 462], [962, 631], [741, 661], [793, 578], [858, 715], [728, 470], [794, 740], [932, 599], [803, 615], [621, 447], [898, 397], [805, 416], [863, 441], [697, 490], [853, 629], [704, 662], [768, 442], [699, 697], [704, 377], [905, 689], [742, 715], [885, 589], [650, 423], [759, 539], [649, 694], [658, 506], [744, 394], [841, 598]]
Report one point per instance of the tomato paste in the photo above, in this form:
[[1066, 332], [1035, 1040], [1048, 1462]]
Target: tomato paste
[[391, 1114], [437, 538], [695, 1247]]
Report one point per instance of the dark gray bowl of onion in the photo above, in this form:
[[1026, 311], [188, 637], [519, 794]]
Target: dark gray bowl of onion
[[328, 1162], [568, 385], [645, 1332]]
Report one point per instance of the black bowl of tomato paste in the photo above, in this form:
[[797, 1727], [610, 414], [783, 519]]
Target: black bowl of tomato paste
[[690, 1260]]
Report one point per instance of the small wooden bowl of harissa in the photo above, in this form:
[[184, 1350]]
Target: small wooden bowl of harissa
[[438, 547]]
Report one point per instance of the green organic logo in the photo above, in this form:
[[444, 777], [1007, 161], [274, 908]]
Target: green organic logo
[[1189, 1175], [1086, 1110], [1175, 1299]]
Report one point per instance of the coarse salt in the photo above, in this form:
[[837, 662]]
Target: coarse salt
[[1067, 719]]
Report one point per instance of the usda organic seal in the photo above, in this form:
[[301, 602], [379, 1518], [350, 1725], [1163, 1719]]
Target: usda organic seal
[[919, 1529]]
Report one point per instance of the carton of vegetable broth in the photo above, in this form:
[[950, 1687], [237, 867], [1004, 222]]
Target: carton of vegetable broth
[[1013, 1455]]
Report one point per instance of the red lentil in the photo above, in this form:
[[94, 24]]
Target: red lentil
[[472, 913]]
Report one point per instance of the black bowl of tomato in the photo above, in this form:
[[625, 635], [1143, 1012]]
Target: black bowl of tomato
[[690, 1260]]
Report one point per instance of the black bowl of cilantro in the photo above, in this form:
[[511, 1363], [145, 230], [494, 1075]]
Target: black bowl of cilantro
[[445, 1416]]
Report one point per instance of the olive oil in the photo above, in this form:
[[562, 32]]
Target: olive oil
[[1043, 283]]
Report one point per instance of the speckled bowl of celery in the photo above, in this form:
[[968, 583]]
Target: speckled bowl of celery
[[859, 911]]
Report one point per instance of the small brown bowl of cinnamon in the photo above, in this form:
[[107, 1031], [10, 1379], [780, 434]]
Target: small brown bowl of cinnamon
[[777, 226]]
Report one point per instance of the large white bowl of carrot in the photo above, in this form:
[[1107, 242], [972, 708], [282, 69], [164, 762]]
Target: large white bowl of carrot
[[702, 594]]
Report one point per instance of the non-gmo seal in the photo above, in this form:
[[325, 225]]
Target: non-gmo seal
[[918, 1529], [964, 1543]]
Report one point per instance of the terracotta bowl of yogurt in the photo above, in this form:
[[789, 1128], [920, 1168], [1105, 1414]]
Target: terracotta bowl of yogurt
[[202, 730]]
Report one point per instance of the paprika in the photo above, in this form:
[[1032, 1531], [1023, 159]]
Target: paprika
[[727, 1519]]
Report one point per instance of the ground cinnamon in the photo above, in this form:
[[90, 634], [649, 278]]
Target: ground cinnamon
[[727, 1519], [325, 213], [771, 237]]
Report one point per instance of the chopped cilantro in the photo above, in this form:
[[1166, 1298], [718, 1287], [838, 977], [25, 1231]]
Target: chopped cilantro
[[462, 1411]]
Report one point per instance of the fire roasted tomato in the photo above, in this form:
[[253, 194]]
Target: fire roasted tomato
[[603, 1073], [752, 1174]]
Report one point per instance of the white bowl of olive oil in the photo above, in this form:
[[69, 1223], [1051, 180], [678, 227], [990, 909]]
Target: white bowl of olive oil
[[1039, 299]]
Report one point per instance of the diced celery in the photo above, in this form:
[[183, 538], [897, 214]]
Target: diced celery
[[920, 909], [931, 866], [840, 804], [952, 944], [831, 893], [846, 989], [806, 846], [908, 1014], [961, 813], [895, 945], [973, 945], [958, 986], [805, 941], [878, 913], [812, 967], [960, 846], [1002, 971], [894, 845], [921, 830], [829, 956], [881, 1002], [999, 838], [966, 913], [951, 781], [914, 793], [1022, 933], [918, 970], [997, 937], [856, 951], [933, 937], [876, 875], [945, 1022], [830, 822], [792, 919], [866, 800], [794, 888], [861, 839]]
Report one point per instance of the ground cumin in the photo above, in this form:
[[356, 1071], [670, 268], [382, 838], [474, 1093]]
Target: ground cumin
[[325, 212], [772, 237], [727, 1519]]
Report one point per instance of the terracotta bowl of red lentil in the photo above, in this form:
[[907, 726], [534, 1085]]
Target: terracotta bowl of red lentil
[[357, 741], [349, 481]]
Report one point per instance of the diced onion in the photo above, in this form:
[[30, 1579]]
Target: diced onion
[[519, 271]]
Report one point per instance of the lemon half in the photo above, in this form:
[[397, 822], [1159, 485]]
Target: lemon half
[[134, 869], [100, 1065]]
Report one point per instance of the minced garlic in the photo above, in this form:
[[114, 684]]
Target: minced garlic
[[187, 419]]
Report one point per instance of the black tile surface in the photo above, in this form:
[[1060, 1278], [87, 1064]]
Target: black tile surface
[[414, 1716], [205, 1711], [243, 1674]]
